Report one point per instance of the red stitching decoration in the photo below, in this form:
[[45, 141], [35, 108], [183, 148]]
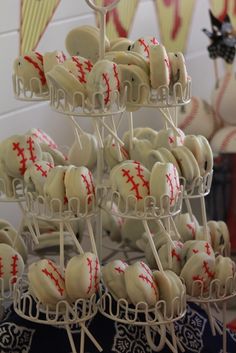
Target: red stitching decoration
[[56, 270], [88, 187], [89, 65], [146, 279], [176, 177], [96, 279], [89, 263], [14, 269], [171, 139], [1, 268], [80, 67], [91, 181], [37, 67], [208, 248], [44, 138], [108, 88], [207, 270], [226, 140], [169, 181], [192, 229], [61, 57], [116, 75], [146, 47], [119, 269], [167, 62], [195, 251], [31, 149], [56, 282], [144, 266], [39, 168], [187, 121], [130, 179], [39, 56], [175, 254], [20, 153], [141, 176]]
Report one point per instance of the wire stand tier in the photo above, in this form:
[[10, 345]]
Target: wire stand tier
[[159, 318], [54, 210], [33, 91], [63, 314]]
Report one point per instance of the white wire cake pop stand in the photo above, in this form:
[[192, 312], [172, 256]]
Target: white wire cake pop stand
[[64, 313], [159, 318], [26, 93]]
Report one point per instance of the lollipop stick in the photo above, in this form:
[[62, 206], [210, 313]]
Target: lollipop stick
[[91, 235], [131, 130], [62, 255], [152, 244], [77, 243], [91, 337], [216, 72], [82, 340], [70, 337]]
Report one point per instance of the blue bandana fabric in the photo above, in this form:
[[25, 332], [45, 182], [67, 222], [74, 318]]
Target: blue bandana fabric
[[193, 331]]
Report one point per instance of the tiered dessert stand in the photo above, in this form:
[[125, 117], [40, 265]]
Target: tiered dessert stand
[[159, 319]]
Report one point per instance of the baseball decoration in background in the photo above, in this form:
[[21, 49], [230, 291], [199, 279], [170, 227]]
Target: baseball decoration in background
[[174, 19], [119, 20], [198, 118], [221, 8], [35, 17]]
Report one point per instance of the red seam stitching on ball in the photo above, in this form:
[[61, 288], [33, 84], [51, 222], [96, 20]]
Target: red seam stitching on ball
[[39, 56], [146, 47], [192, 229], [189, 118], [80, 67], [227, 139], [96, 279], [169, 181], [44, 138], [20, 153], [37, 67], [176, 177], [119, 269], [174, 254], [147, 280], [89, 263], [56, 282], [108, 88], [88, 66], [208, 249], [14, 269], [56, 270], [208, 272], [31, 149], [141, 176], [130, 179], [87, 186], [44, 173], [116, 75]]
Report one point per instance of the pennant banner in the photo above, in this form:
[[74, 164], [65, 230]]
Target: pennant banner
[[220, 8], [120, 19], [174, 18], [35, 17]]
